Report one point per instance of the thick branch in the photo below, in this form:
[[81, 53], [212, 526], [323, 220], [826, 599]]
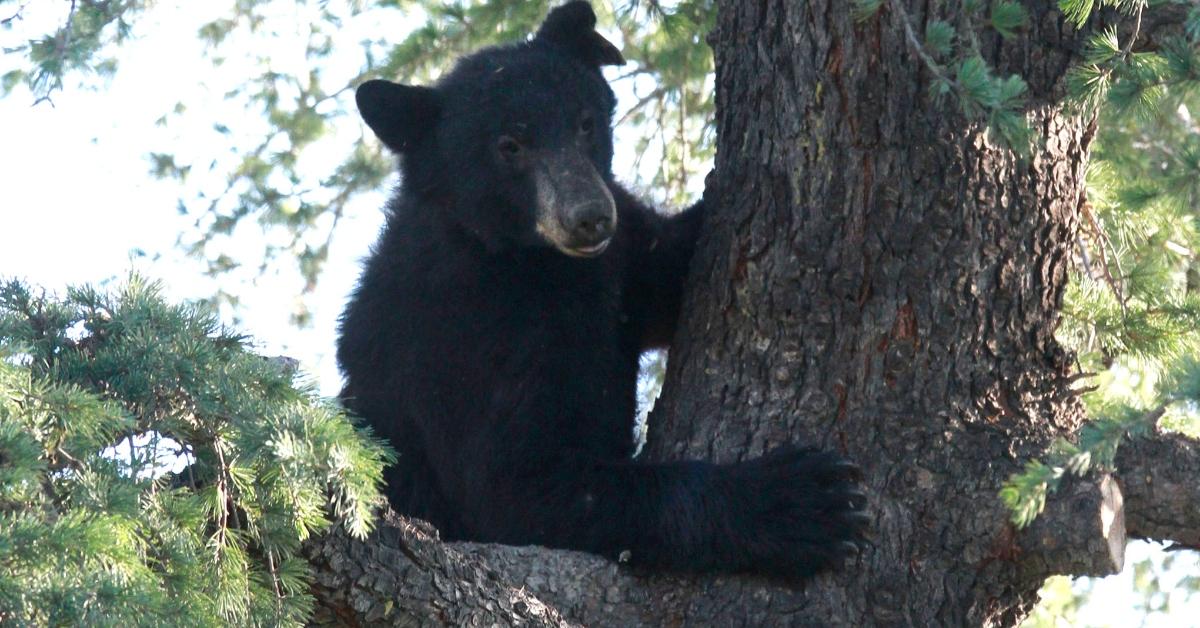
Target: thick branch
[[1160, 476], [1081, 532], [403, 575], [1155, 494]]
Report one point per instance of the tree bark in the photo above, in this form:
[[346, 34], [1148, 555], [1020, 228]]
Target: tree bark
[[884, 280], [877, 277]]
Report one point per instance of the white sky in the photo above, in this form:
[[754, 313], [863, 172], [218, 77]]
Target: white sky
[[77, 198]]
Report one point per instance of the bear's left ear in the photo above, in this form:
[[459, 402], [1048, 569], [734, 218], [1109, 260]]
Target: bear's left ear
[[572, 28], [400, 115]]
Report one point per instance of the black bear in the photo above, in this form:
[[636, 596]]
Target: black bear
[[494, 335]]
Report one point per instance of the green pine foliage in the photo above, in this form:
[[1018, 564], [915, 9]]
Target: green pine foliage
[[952, 56], [939, 38], [1144, 83], [1007, 17], [87, 31], [1111, 75], [1132, 313], [1079, 11], [154, 471]]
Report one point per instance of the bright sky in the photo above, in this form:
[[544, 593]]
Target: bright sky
[[78, 200]]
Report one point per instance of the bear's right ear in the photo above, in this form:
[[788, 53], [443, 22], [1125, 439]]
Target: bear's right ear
[[400, 115], [572, 28]]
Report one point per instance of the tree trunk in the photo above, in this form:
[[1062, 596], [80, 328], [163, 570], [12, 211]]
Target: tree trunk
[[877, 277], [883, 280]]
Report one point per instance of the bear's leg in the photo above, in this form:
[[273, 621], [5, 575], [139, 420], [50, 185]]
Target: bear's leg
[[790, 514]]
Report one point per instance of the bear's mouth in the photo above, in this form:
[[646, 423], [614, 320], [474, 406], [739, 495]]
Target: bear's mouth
[[587, 251]]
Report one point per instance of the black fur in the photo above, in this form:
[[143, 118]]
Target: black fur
[[504, 370]]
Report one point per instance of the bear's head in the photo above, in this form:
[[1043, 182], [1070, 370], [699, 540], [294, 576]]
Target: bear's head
[[515, 143]]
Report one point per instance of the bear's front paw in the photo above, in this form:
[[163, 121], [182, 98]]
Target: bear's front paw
[[797, 512]]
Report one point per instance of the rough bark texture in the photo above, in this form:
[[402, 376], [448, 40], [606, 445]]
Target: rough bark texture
[[883, 280], [1160, 477], [403, 576], [877, 278]]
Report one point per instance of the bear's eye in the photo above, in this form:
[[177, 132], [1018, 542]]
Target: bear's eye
[[586, 124], [508, 148]]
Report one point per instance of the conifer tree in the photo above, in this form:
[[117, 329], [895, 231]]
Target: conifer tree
[[1130, 312], [154, 471]]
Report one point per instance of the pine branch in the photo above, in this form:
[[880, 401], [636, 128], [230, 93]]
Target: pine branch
[[279, 464], [1094, 446], [1081, 533], [402, 575], [62, 45], [1104, 247], [16, 14], [1158, 25], [979, 93], [1153, 494], [1160, 476]]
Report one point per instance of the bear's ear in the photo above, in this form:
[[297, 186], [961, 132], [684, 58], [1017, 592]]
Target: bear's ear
[[400, 115], [572, 28]]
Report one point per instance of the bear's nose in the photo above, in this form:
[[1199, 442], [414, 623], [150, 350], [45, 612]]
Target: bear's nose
[[591, 224]]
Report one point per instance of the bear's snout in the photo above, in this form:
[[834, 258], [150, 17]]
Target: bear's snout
[[591, 224], [576, 211]]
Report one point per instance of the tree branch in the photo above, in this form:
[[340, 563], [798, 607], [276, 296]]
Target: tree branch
[[1154, 26], [1081, 532], [1154, 494], [1160, 477], [402, 575]]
